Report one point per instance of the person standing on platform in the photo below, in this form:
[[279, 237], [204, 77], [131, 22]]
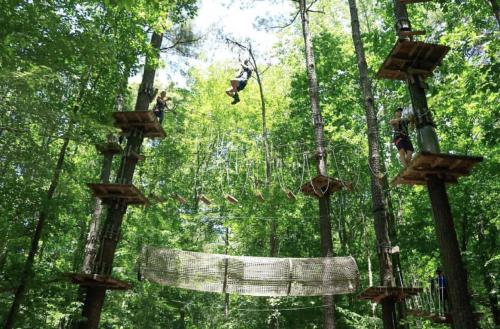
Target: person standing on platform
[[161, 104]]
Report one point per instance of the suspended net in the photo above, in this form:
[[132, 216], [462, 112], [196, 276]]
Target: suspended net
[[256, 276]]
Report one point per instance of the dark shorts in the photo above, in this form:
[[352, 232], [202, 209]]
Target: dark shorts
[[241, 84], [403, 143]]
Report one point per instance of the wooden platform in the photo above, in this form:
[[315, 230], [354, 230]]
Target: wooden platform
[[447, 166], [411, 57], [95, 280], [129, 193], [144, 120], [109, 147], [321, 185], [376, 294]]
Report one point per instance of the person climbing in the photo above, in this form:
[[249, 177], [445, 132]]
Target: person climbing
[[442, 286], [239, 82], [401, 137], [161, 104]]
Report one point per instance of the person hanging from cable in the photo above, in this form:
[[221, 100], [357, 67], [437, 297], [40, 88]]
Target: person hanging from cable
[[401, 138], [240, 81], [161, 104]]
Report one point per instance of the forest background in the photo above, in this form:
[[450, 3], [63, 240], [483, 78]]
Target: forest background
[[62, 66]]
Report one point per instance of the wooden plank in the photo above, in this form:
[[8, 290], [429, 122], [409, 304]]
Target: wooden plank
[[231, 198], [95, 280], [205, 200]]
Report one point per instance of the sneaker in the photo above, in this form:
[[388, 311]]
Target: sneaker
[[236, 99]]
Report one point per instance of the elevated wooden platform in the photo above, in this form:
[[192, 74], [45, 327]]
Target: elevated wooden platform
[[109, 148], [447, 166], [407, 2], [129, 193], [376, 294], [144, 120], [321, 185], [95, 280], [411, 57]]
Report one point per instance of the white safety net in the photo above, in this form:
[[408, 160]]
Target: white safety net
[[256, 276]]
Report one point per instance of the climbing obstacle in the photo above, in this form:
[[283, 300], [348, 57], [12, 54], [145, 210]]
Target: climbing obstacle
[[448, 167], [322, 185], [95, 280], [254, 276], [143, 120], [411, 57], [126, 192], [377, 294]]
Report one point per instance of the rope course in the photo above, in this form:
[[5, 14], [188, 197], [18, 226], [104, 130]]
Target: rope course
[[254, 276]]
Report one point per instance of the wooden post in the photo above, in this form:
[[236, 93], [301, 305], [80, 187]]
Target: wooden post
[[451, 260], [94, 299], [321, 166]]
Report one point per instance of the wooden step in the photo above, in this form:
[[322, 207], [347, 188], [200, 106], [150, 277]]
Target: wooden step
[[377, 294], [95, 280], [144, 120], [321, 185], [205, 199], [110, 191], [231, 198], [448, 167], [411, 57]]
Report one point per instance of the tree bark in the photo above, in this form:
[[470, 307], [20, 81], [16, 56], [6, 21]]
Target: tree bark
[[321, 165], [380, 213], [496, 10], [35, 241], [458, 288], [94, 299], [91, 244]]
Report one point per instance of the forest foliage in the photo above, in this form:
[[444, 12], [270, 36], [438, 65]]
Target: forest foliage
[[62, 65]]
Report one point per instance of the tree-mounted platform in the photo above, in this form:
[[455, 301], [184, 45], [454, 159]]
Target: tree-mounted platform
[[448, 167], [408, 2], [145, 120], [109, 148], [411, 57], [377, 294], [95, 280], [129, 193], [321, 185]]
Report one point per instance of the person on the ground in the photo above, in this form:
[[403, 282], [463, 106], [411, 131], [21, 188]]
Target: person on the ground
[[442, 287], [401, 138], [161, 104], [240, 81]]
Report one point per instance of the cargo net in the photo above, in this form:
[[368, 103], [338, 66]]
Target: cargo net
[[256, 276]]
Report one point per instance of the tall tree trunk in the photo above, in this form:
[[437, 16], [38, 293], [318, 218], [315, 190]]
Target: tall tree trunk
[[380, 213], [91, 244], [458, 289], [94, 299], [27, 272], [321, 166], [496, 10]]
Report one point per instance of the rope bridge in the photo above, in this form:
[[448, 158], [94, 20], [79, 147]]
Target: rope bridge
[[255, 276]]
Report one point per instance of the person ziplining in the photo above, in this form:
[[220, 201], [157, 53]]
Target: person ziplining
[[401, 138], [161, 104], [240, 81]]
